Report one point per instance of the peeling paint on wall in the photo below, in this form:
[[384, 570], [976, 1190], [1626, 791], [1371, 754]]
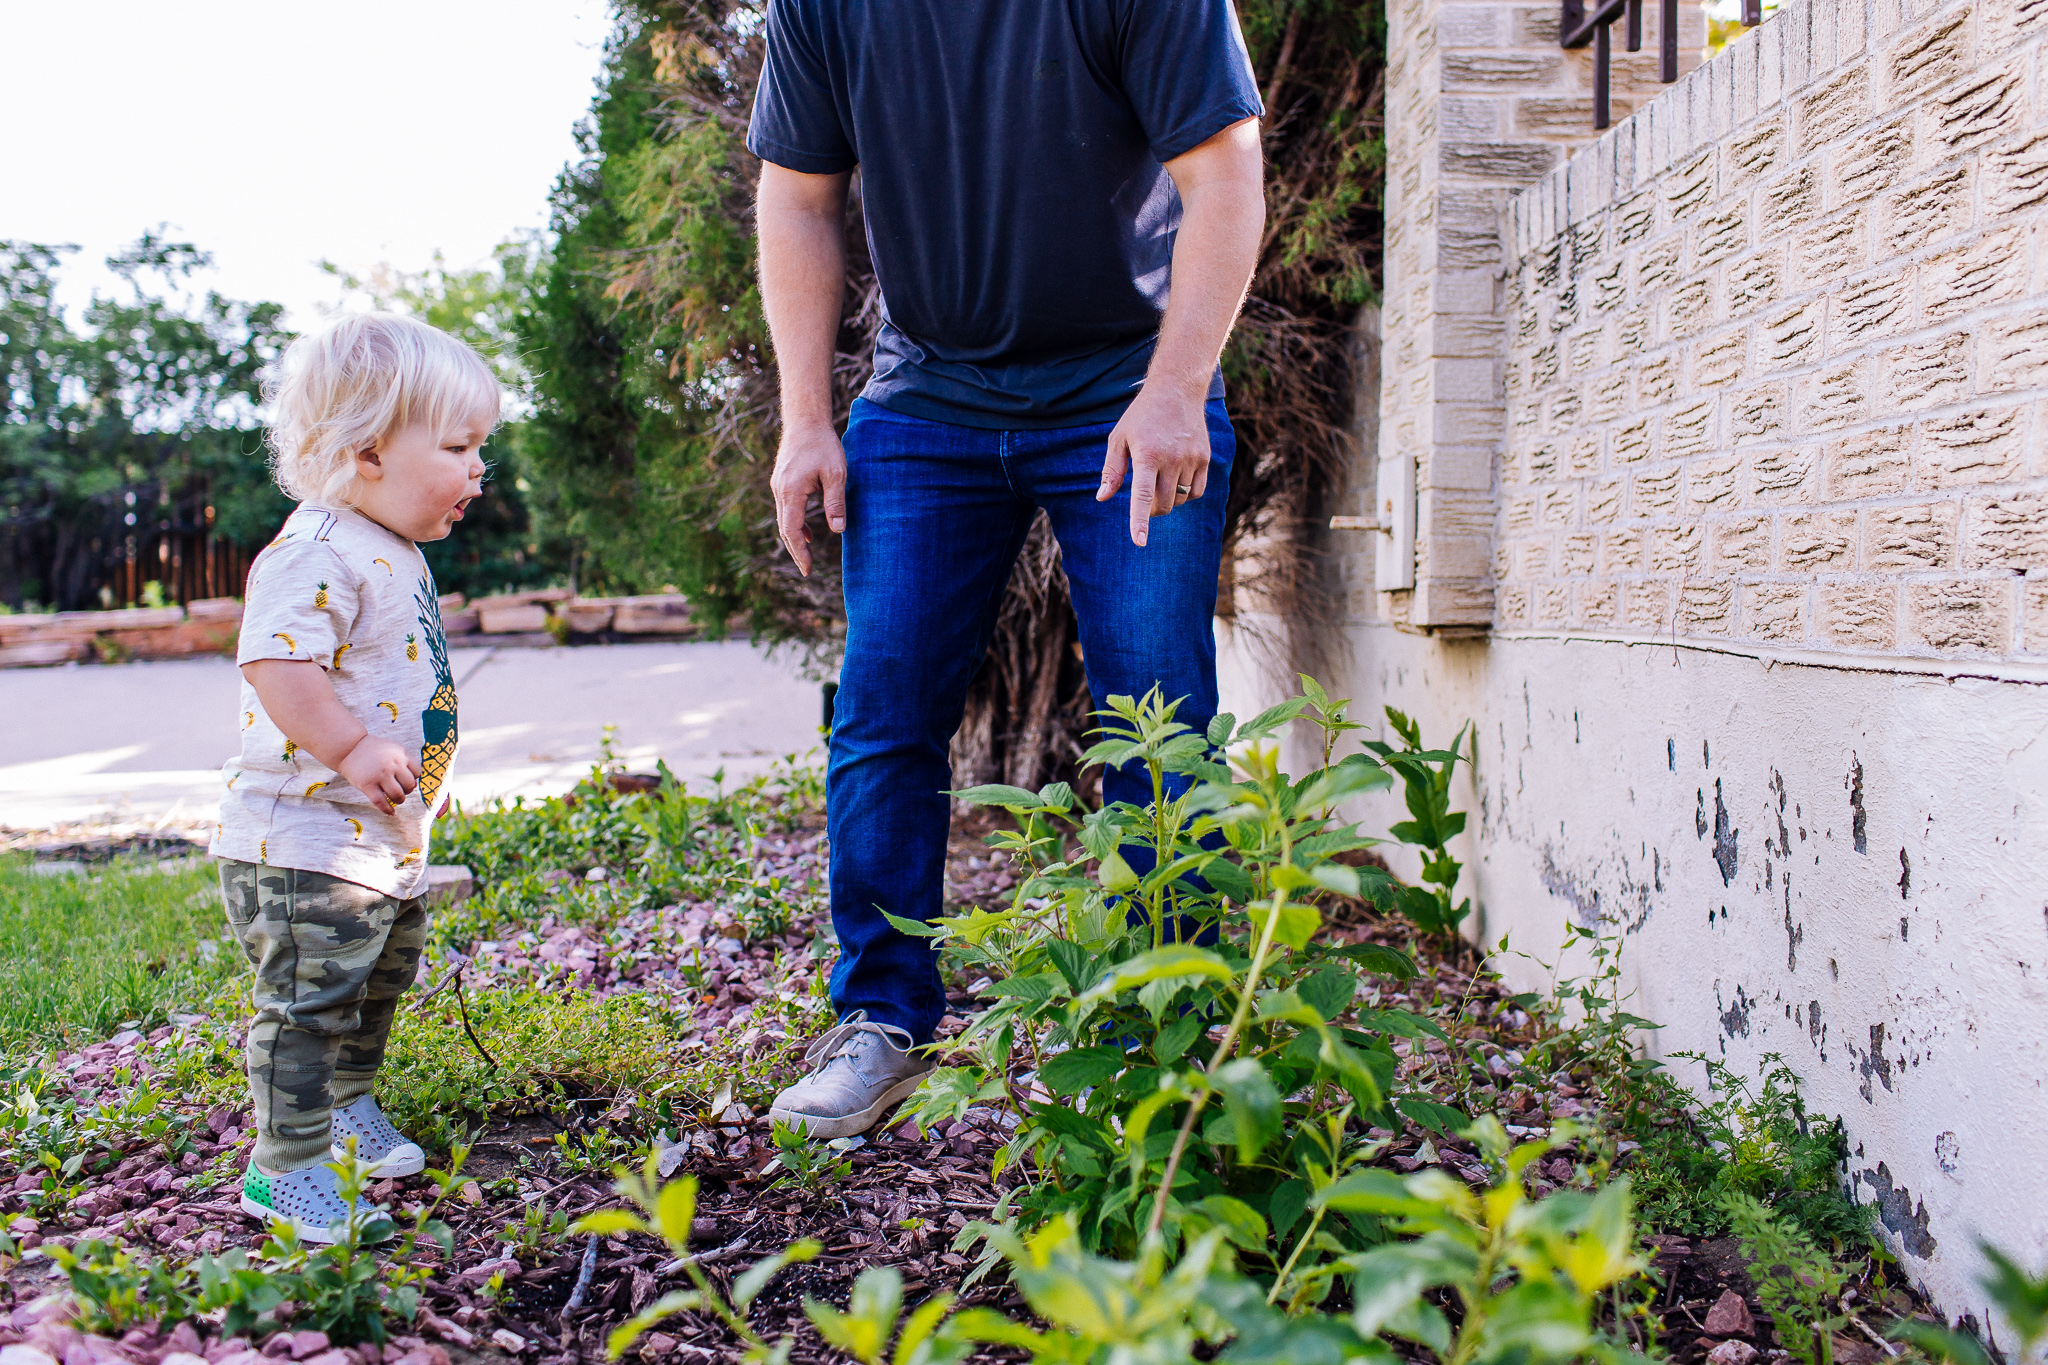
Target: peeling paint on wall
[[1859, 820], [1899, 1213]]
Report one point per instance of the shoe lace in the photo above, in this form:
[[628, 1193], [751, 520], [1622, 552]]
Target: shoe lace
[[849, 1039]]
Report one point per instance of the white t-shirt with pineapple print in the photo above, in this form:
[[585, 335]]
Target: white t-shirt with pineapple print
[[338, 590]]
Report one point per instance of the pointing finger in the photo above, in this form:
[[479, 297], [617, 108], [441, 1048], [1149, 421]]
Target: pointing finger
[[1144, 494], [1112, 467]]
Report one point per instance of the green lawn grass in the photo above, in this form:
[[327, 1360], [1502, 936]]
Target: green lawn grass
[[80, 956]]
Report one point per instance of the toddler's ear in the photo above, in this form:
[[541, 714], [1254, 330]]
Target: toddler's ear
[[368, 466]]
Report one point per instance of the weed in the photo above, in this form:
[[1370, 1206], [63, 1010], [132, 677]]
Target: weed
[[806, 1165], [1426, 786], [535, 1229], [342, 1289], [671, 1207], [1199, 1062], [1799, 1284], [1762, 1145]]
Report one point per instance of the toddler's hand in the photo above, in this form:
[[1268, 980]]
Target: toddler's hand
[[382, 771]]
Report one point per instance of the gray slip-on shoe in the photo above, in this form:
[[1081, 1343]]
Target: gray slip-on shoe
[[379, 1144], [859, 1071], [310, 1200]]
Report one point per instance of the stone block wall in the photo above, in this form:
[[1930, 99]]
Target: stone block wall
[[1777, 348], [1482, 100]]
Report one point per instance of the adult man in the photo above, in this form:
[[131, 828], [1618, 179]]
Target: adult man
[[1033, 173]]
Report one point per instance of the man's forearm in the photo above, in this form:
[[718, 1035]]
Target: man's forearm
[[1223, 215], [803, 278]]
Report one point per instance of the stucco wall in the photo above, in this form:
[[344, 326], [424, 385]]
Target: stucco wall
[[1845, 866], [1777, 349]]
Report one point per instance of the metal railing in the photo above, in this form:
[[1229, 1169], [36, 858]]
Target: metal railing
[[1580, 24]]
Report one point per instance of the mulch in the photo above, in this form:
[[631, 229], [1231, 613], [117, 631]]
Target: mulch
[[904, 1200]]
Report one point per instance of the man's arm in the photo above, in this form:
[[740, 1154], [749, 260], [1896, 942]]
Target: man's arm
[[1164, 434], [801, 221]]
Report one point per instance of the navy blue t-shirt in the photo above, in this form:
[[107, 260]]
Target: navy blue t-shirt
[[1010, 151]]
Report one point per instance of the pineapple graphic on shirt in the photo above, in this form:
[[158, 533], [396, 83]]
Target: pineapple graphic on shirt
[[320, 598], [437, 722]]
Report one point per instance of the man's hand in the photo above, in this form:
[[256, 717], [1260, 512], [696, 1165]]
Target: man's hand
[[802, 232], [1163, 438], [382, 771], [1164, 434], [811, 460]]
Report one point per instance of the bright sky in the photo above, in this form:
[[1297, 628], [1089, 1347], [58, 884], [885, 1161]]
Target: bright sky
[[276, 133]]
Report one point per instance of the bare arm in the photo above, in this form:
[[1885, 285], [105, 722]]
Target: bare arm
[[1164, 434], [801, 220], [296, 695]]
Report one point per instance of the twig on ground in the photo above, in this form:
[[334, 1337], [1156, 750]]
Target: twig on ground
[[583, 1278], [463, 1005]]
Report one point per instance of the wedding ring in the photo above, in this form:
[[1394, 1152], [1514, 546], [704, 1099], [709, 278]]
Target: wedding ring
[[1182, 489]]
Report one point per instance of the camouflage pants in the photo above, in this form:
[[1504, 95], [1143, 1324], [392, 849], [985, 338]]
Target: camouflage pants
[[332, 958]]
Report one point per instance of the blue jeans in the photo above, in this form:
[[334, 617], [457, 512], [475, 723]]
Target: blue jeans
[[935, 516]]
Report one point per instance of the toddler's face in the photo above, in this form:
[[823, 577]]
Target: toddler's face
[[418, 481]]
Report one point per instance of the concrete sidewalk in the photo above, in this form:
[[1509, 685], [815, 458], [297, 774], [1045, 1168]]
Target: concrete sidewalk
[[145, 741]]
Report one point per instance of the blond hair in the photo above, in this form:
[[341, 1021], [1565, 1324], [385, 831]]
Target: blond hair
[[358, 379]]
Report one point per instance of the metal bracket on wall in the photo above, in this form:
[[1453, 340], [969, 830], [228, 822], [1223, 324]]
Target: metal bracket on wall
[[1394, 519]]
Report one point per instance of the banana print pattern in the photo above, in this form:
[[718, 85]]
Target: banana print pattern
[[340, 590]]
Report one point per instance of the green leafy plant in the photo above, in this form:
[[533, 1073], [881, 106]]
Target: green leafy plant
[[1759, 1143], [535, 1229], [806, 1165], [1426, 786], [1199, 1060], [344, 1289], [1799, 1283], [668, 1210]]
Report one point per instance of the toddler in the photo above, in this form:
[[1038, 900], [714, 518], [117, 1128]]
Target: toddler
[[348, 731]]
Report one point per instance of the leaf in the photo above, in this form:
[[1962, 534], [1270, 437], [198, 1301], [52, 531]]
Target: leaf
[[1230, 881], [1290, 1198], [1298, 924], [1271, 719], [1175, 1038], [1427, 1113], [915, 928], [1056, 796], [1064, 1122], [1039, 986], [1220, 726], [1336, 877], [1079, 1068], [1175, 959], [917, 1329], [674, 1207], [1240, 1222], [1329, 991], [1252, 1104], [1075, 963], [1114, 873], [627, 1332], [610, 1223], [1000, 794]]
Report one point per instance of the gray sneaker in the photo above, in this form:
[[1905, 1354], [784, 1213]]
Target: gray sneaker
[[859, 1070], [378, 1143], [310, 1200]]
